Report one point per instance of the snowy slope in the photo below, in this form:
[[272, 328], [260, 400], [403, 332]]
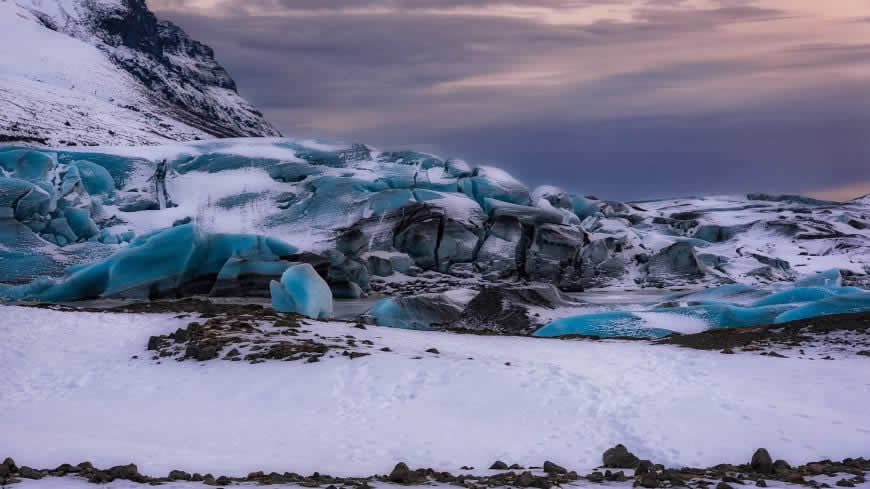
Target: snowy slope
[[71, 391], [98, 72]]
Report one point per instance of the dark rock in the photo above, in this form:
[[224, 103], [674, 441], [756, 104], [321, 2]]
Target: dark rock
[[26, 472], [126, 472], [202, 351], [643, 467], [179, 475], [845, 483], [723, 485], [64, 469], [761, 483], [434, 351], [99, 477], [401, 474], [649, 480], [498, 465], [762, 462], [595, 477], [781, 466], [526, 479], [4, 471], [506, 309], [619, 457], [551, 468], [10, 464], [154, 343]]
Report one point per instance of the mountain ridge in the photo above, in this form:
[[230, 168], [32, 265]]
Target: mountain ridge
[[100, 72]]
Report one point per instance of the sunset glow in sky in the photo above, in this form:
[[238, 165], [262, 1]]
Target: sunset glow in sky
[[623, 98]]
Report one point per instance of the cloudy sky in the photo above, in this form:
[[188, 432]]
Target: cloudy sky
[[620, 98]]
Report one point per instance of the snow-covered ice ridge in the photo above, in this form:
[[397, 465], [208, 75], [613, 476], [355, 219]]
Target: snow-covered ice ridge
[[92, 72], [365, 214]]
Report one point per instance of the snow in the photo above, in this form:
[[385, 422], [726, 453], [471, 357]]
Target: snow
[[64, 87], [76, 483], [71, 391]]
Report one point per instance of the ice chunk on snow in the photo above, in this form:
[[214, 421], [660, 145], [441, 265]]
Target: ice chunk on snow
[[302, 291]]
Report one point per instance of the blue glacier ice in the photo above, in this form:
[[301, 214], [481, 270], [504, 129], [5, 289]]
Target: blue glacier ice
[[659, 322], [828, 278], [604, 325], [805, 294], [303, 291], [96, 179], [725, 293], [840, 304], [153, 265]]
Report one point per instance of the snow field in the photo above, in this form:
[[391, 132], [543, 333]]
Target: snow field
[[70, 392]]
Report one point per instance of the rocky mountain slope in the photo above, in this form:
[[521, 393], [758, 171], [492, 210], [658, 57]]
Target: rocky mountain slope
[[88, 72]]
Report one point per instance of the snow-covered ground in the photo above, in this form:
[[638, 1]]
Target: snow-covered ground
[[71, 391], [74, 483]]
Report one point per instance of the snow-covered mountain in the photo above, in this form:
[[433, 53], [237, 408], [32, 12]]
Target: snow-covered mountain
[[88, 72]]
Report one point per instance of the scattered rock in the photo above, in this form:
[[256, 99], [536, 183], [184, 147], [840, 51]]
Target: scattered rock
[[10, 464], [619, 457], [650, 480], [401, 474], [723, 485], [644, 466], [596, 477], [498, 465], [26, 472], [179, 475], [762, 462], [433, 351], [551, 468]]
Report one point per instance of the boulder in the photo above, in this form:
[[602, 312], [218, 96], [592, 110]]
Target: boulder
[[762, 462], [620, 458]]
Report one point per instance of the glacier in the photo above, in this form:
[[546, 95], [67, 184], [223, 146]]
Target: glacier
[[182, 260], [720, 307], [74, 220]]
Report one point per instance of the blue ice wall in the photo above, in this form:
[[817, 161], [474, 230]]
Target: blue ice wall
[[153, 264]]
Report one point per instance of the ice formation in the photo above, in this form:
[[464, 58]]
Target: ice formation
[[182, 260], [303, 291], [353, 212], [720, 307]]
